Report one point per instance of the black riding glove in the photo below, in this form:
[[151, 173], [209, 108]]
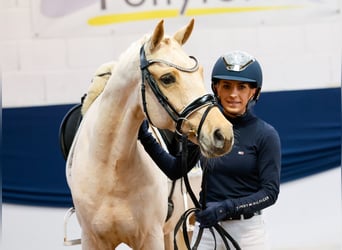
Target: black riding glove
[[143, 131], [215, 212]]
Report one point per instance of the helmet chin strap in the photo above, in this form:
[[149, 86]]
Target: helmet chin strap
[[252, 101], [257, 94]]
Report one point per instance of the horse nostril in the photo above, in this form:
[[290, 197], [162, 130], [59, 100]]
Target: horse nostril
[[218, 135], [218, 139]]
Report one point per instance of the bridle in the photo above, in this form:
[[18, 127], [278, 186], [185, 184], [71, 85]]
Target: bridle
[[205, 100]]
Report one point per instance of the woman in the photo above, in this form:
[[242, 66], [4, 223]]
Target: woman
[[239, 185]]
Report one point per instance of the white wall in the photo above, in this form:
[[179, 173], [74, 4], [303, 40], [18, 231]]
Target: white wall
[[40, 71], [307, 216]]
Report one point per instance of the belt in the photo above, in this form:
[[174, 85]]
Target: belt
[[244, 216]]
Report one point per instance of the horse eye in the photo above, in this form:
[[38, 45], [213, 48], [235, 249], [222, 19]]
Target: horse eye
[[168, 78]]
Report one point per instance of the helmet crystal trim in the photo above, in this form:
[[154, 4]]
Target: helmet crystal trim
[[238, 60]]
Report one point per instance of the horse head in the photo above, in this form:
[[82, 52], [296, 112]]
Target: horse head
[[175, 81]]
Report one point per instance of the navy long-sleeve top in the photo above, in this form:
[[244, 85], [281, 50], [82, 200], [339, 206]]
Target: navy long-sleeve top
[[248, 176]]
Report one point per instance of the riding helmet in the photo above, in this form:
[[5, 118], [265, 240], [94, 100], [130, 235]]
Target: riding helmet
[[239, 66]]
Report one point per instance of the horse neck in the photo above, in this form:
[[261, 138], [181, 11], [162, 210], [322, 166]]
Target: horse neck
[[119, 111]]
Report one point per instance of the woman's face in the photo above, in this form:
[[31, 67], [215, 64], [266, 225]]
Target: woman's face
[[234, 96]]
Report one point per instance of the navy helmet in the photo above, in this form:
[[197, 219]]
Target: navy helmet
[[239, 66]]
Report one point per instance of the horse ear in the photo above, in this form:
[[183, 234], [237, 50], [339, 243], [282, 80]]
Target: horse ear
[[157, 35], [182, 35]]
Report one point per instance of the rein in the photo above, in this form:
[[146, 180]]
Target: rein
[[182, 221], [206, 100]]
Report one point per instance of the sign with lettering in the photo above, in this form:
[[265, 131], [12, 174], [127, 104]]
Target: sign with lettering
[[86, 17]]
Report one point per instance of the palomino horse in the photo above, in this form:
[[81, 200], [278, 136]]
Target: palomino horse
[[119, 194]]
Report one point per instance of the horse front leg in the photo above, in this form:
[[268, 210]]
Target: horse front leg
[[168, 241], [92, 242], [154, 240]]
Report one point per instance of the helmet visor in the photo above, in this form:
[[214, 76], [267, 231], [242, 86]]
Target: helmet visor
[[238, 60]]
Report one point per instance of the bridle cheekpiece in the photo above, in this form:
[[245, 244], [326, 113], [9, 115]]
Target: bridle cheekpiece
[[205, 100]]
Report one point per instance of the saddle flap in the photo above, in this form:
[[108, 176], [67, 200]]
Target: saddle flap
[[68, 128]]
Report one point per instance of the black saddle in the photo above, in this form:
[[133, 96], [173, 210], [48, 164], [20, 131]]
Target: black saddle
[[68, 128]]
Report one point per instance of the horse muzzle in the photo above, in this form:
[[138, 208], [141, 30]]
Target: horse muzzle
[[216, 137]]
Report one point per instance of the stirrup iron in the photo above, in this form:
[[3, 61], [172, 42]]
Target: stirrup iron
[[67, 216]]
